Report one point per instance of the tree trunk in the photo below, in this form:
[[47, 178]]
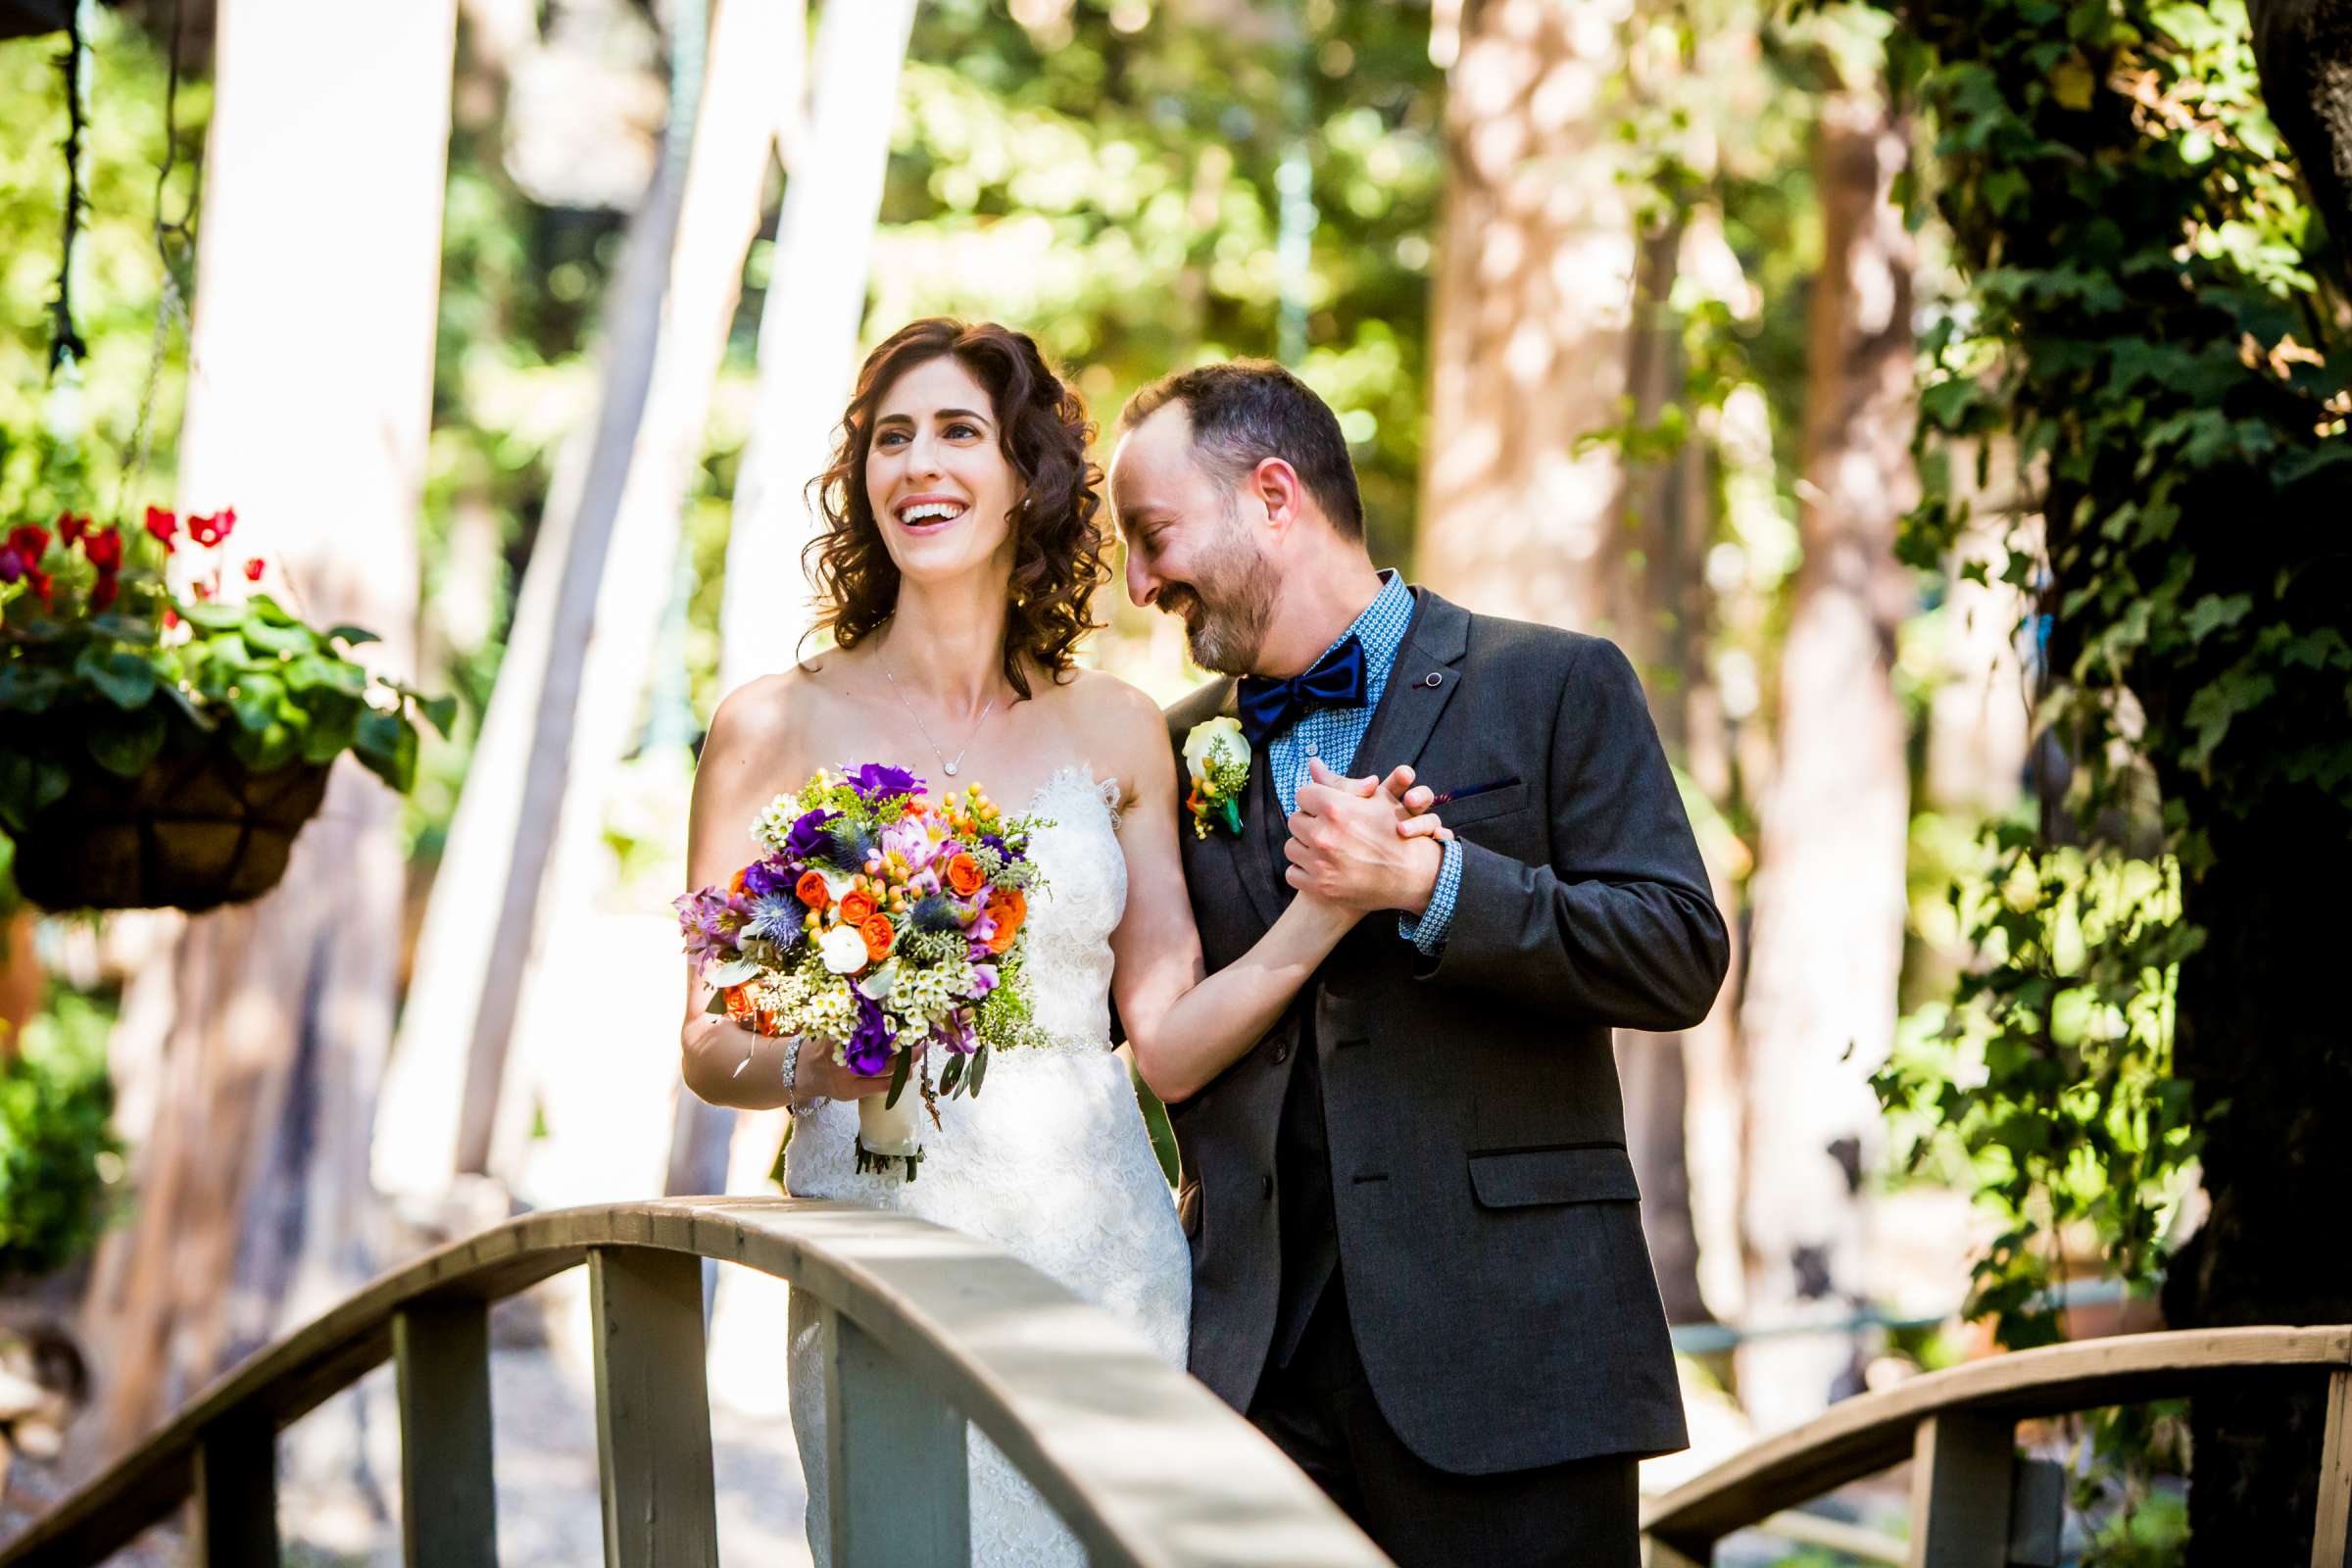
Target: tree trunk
[[284, 1006], [809, 330], [2304, 50], [1531, 320], [1829, 894], [2261, 1036], [482, 922]]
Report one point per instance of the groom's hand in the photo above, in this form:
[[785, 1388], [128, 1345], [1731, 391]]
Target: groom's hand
[[1347, 846]]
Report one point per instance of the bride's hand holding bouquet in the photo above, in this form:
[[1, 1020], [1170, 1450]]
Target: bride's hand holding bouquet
[[884, 931]]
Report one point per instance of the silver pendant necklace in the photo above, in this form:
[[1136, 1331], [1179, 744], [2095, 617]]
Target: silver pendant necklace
[[948, 766]]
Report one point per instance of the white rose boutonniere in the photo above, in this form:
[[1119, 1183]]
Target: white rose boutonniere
[[1217, 754]]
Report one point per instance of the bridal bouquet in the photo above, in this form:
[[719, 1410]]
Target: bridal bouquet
[[883, 927]]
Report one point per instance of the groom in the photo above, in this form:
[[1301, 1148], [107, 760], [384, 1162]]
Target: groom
[[1417, 1259]]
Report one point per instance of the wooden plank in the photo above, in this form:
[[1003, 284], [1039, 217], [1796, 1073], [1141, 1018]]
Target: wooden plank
[[1960, 1479], [652, 1409], [895, 1460], [236, 1494], [448, 1499], [2332, 1536]]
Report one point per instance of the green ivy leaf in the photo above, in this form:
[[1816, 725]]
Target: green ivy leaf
[[279, 636], [439, 712], [272, 746], [351, 636], [213, 614], [125, 744], [333, 723], [121, 677], [258, 703], [386, 745], [27, 688], [307, 670]]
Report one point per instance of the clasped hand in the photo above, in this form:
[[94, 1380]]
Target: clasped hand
[[1365, 844]]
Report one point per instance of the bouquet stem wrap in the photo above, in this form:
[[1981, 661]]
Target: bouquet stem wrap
[[888, 1134]]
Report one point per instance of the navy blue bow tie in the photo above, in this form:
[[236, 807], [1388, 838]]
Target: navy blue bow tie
[[1270, 706]]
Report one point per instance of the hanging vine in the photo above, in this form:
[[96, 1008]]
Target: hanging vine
[[65, 341]]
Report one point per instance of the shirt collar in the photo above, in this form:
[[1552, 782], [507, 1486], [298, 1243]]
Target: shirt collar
[[1381, 628]]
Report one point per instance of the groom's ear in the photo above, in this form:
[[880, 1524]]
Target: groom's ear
[[1275, 483]]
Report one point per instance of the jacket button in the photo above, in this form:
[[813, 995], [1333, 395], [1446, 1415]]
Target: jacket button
[[1266, 1188], [1282, 1053]]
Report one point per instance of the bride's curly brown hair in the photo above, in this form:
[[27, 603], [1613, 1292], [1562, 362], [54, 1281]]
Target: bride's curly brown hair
[[1060, 549]]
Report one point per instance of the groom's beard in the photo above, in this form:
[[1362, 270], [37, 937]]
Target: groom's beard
[[1227, 608]]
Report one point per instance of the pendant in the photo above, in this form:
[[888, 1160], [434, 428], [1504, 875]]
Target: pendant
[[950, 769]]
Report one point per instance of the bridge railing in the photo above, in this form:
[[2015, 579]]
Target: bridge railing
[[924, 1330], [1974, 1502]]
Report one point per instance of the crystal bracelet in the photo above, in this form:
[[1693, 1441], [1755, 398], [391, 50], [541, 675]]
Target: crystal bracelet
[[792, 1066]]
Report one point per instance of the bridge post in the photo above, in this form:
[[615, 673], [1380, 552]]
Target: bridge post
[[1961, 1468], [448, 1497], [652, 1409], [2331, 1534], [236, 1494], [895, 1461]]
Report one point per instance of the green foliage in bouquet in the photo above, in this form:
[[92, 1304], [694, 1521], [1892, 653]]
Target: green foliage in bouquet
[[102, 663]]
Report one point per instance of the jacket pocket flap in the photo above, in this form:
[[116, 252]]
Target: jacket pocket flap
[[1495, 803], [1589, 1173]]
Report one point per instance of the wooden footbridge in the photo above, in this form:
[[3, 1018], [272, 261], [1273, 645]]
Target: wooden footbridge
[[927, 1332]]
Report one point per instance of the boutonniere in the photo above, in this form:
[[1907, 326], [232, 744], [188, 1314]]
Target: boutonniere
[[1217, 756]]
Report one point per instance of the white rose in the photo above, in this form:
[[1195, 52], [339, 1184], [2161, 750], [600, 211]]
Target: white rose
[[843, 949], [1219, 740]]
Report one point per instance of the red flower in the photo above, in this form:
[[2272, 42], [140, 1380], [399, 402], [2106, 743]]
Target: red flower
[[163, 524], [29, 542], [254, 569], [39, 580], [209, 531], [104, 546], [102, 594], [70, 527], [171, 617]]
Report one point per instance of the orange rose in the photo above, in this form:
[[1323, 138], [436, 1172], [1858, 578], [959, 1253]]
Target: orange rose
[[742, 1010], [735, 883], [965, 876], [811, 890], [1008, 909], [879, 934], [856, 906]]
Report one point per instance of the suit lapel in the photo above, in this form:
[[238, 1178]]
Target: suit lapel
[[1432, 651]]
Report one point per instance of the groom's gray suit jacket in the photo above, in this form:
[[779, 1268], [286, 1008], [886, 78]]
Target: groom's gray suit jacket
[[1472, 1171]]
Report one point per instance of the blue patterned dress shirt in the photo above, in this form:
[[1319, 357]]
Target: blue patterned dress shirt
[[1333, 734]]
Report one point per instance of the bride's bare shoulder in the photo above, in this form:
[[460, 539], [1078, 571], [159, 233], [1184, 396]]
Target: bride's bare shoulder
[[768, 715], [1115, 722]]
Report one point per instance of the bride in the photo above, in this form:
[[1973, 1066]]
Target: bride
[[961, 551]]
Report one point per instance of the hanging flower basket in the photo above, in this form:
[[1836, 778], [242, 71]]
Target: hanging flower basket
[[155, 751], [193, 829]]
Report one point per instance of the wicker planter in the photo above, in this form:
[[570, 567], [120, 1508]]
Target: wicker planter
[[195, 830]]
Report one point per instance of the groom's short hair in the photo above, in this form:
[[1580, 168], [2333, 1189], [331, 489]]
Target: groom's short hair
[[1246, 411]]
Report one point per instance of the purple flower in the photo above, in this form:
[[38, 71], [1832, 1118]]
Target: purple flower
[[912, 841], [875, 780], [11, 565], [806, 841], [996, 842], [984, 980], [868, 1050], [765, 878], [955, 1034], [710, 920]]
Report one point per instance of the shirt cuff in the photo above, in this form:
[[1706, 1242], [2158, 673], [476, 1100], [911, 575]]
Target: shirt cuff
[[1427, 930]]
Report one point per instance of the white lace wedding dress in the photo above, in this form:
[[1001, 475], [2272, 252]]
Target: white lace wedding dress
[[1050, 1162]]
